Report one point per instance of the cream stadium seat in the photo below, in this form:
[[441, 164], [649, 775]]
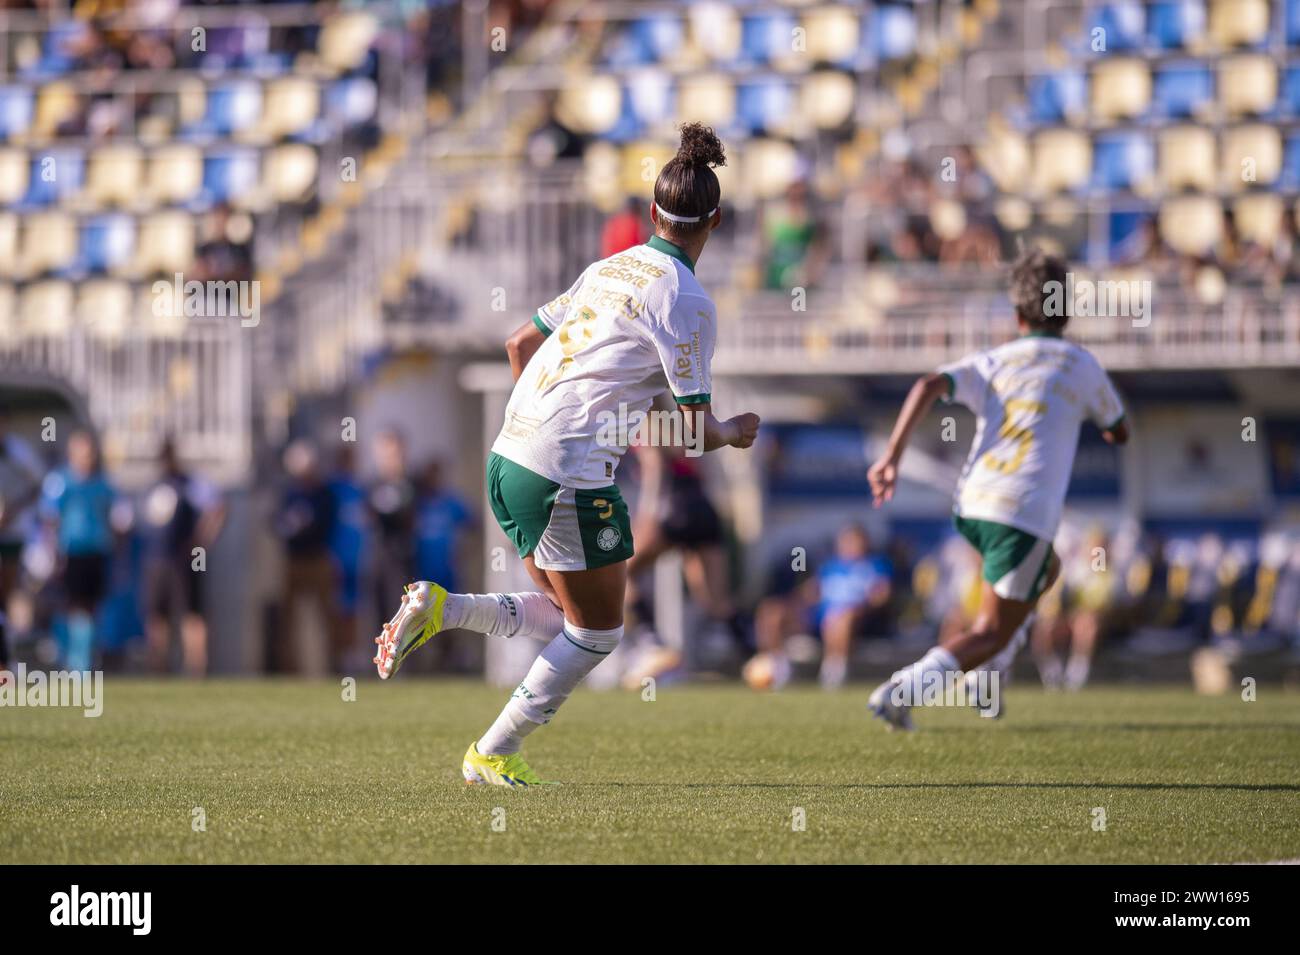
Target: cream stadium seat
[[50, 242], [45, 309], [289, 172], [1005, 156], [165, 244], [1251, 156], [114, 175], [770, 165], [590, 104], [833, 34], [1191, 225], [827, 98], [9, 229], [708, 99], [1121, 89], [9, 330], [1238, 22], [158, 312], [14, 170], [345, 40], [292, 104], [715, 29], [1247, 85], [1186, 159], [104, 309], [1258, 217], [636, 161], [1062, 160], [56, 103], [175, 174]]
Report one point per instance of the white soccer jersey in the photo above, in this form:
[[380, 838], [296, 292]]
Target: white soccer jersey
[[1029, 397], [631, 326]]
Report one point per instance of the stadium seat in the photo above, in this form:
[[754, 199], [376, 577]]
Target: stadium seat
[[1187, 158], [1258, 217], [45, 309], [770, 166], [1236, 23], [114, 175], [1005, 156], [709, 98], [175, 174], [13, 175], [104, 309], [49, 243], [345, 40], [1182, 90], [1290, 99], [591, 104], [231, 106], [715, 30], [1123, 23], [1175, 24], [56, 176], [1058, 97], [1062, 160], [16, 111], [292, 105], [766, 37], [827, 98], [9, 223], [1191, 224], [834, 35], [290, 173], [9, 330], [1292, 24], [1123, 161], [894, 30], [352, 101], [763, 104], [1251, 156], [1290, 175], [1247, 85], [228, 174], [648, 98], [57, 103], [165, 244], [107, 244], [1121, 89]]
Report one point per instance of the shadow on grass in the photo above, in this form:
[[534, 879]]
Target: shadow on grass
[[1230, 787]]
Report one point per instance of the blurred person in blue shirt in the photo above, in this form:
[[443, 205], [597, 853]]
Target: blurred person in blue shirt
[[78, 500], [349, 540], [853, 591], [21, 474], [440, 518]]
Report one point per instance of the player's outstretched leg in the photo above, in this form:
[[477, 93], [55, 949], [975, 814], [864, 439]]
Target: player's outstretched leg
[[427, 608]]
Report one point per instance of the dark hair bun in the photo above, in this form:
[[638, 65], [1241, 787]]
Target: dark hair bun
[[700, 147]]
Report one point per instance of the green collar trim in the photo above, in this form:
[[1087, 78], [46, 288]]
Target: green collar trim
[[1041, 333], [667, 248]]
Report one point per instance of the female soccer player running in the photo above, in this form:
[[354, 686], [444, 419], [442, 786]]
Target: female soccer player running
[[631, 325], [1029, 397]]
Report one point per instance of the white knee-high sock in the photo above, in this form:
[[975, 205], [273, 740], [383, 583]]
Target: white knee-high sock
[[528, 614], [557, 671], [936, 661]]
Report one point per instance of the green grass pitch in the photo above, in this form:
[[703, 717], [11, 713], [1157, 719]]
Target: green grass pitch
[[289, 772]]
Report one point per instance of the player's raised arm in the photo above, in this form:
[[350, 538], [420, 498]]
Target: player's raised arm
[[883, 475]]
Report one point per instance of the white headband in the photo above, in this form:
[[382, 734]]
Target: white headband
[[664, 213]]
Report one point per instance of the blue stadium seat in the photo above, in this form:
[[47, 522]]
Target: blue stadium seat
[[1120, 161], [1289, 179], [765, 37], [1293, 22], [54, 59], [227, 173], [1172, 24], [894, 31], [1056, 97], [1123, 23], [15, 110], [1181, 89], [106, 244], [628, 126], [761, 102], [646, 40], [51, 183], [351, 102], [231, 105], [1289, 97]]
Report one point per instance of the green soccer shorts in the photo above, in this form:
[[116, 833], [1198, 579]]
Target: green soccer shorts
[[1015, 562], [564, 528]]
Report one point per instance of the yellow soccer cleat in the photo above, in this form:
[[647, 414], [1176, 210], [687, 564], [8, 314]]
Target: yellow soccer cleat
[[418, 619], [497, 770]]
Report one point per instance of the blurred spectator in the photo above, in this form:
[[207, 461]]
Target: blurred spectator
[[79, 502], [624, 229], [794, 242], [178, 513], [391, 499], [349, 540], [440, 520], [21, 473], [305, 523]]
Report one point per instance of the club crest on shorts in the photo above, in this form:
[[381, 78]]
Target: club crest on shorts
[[608, 538]]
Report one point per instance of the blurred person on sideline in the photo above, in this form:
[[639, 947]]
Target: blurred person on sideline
[[441, 519], [21, 474], [623, 229], [850, 595], [78, 502], [349, 542], [391, 499], [305, 523], [794, 242], [178, 513]]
